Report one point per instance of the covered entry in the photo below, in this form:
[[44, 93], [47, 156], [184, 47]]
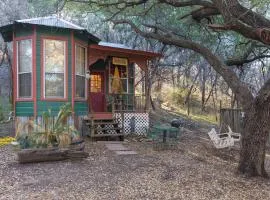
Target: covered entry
[[113, 73]]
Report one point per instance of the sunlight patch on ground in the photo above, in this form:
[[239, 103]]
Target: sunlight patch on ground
[[196, 117]]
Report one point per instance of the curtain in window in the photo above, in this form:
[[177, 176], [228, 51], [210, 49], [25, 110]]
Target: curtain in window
[[24, 68], [54, 63], [118, 79]]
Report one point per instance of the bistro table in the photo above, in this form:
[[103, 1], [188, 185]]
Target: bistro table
[[165, 131]]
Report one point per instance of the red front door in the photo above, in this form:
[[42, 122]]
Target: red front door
[[97, 92]]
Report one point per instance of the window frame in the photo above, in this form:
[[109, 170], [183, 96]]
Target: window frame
[[110, 78], [80, 44], [17, 40], [43, 71]]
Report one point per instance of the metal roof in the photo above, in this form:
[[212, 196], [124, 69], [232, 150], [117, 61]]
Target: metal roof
[[115, 45], [51, 21]]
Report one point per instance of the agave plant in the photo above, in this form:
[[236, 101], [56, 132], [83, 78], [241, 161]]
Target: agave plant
[[52, 132]]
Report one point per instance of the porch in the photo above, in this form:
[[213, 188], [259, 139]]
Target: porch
[[117, 94]]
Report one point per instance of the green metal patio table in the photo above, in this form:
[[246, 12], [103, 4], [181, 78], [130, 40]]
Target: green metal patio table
[[164, 131]]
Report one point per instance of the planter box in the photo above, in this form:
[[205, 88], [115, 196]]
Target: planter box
[[51, 154]]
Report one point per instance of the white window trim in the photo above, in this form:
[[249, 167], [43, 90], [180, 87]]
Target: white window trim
[[44, 71], [85, 70], [18, 73]]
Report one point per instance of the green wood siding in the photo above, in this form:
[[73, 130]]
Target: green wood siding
[[44, 106], [22, 31], [24, 108], [83, 38], [81, 108]]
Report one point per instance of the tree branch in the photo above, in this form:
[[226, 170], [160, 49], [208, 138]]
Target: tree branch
[[187, 3], [242, 91]]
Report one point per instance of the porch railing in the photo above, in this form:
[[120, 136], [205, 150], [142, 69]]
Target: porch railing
[[126, 103], [139, 103]]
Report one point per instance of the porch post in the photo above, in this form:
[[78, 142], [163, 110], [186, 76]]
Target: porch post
[[147, 88]]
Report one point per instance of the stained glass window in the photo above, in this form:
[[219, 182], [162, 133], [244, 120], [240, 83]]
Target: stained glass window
[[96, 83]]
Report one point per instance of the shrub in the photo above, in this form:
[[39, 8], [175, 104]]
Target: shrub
[[53, 132]]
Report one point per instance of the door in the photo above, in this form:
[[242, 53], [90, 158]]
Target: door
[[97, 92]]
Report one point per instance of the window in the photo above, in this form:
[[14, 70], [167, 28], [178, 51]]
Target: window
[[118, 79], [96, 83], [80, 71], [54, 68], [24, 60]]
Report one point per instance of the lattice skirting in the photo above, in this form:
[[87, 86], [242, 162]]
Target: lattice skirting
[[136, 123]]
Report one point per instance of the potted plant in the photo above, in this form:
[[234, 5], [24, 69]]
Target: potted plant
[[52, 139]]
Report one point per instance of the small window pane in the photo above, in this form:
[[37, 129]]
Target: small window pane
[[80, 71], [96, 83], [24, 85], [80, 60], [54, 85], [54, 56], [124, 85], [80, 86], [25, 56]]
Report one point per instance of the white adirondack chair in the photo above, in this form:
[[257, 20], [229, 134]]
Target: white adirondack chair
[[236, 136], [222, 140]]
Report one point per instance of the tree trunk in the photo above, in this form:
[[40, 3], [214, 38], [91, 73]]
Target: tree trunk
[[203, 87], [255, 135]]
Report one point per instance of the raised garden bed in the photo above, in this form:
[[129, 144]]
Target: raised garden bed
[[51, 154]]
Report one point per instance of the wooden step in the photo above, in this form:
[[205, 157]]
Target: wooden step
[[101, 116], [102, 123], [107, 135], [107, 129]]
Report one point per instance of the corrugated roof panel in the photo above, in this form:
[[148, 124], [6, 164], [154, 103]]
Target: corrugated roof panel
[[51, 21], [115, 45]]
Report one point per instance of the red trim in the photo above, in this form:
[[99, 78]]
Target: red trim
[[24, 37], [65, 39], [73, 88], [34, 70], [84, 45], [81, 43], [14, 72], [128, 51], [15, 81]]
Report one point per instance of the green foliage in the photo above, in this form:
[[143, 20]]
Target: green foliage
[[53, 132], [1, 113], [2, 116]]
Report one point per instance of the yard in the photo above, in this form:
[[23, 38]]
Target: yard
[[193, 171]]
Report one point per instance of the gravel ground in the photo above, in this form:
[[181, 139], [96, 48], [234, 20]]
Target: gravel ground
[[193, 171]]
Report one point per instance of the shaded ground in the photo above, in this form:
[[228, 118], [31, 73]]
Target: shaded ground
[[193, 171]]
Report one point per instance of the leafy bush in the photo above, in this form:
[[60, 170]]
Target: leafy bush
[[52, 132], [1, 113]]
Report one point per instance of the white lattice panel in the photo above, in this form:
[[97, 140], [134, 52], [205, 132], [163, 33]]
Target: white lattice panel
[[137, 121]]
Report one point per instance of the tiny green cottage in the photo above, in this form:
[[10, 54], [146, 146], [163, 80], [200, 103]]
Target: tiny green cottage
[[55, 62]]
